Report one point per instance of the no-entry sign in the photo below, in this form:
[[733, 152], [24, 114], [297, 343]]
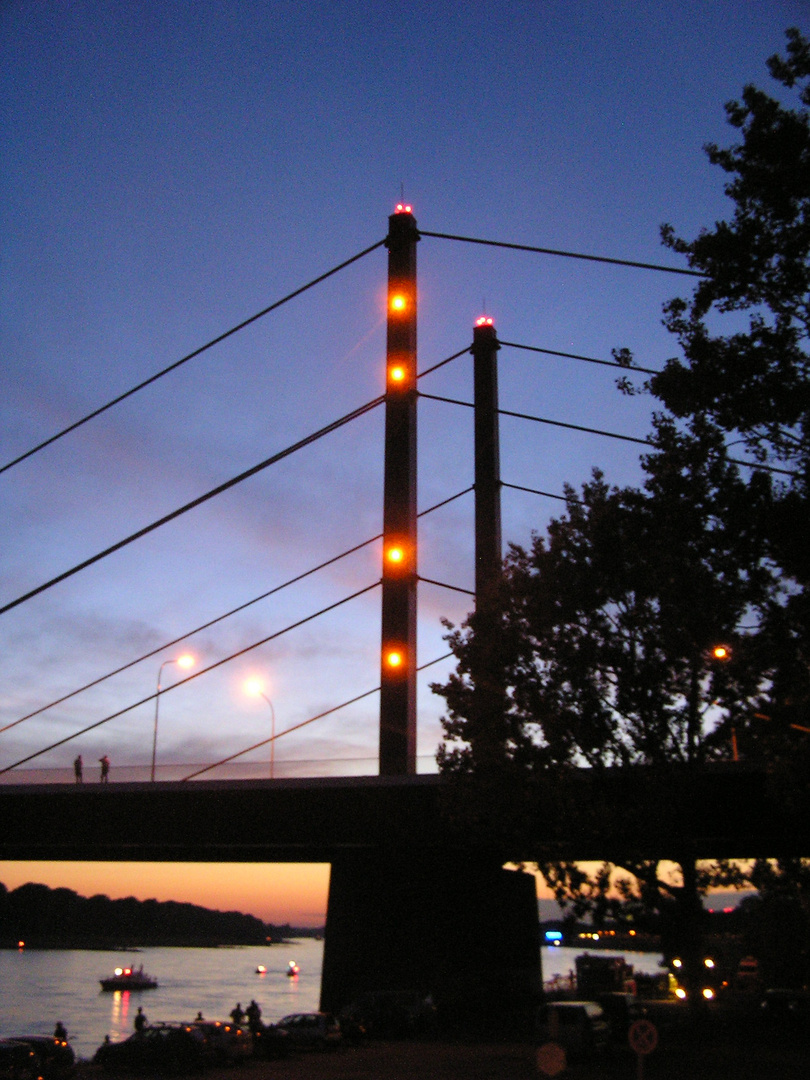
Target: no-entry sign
[[643, 1036]]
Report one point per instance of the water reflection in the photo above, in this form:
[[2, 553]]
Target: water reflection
[[119, 1014]]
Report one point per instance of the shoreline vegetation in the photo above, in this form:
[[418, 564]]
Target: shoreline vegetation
[[45, 918]]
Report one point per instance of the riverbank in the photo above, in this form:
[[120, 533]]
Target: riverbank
[[715, 1048]]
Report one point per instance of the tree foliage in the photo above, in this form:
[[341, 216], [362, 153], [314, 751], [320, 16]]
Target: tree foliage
[[755, 381], [600, 651]]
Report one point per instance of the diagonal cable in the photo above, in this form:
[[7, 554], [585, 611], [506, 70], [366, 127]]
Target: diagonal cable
[[564, 254], [598, 431], [444, 585], [542, 420], [195, 675], [218, 490], [191, 355], [576, 356], [304, 723], [354, 415], [221, 618]]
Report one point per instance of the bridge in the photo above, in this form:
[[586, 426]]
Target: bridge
[[410, 899]]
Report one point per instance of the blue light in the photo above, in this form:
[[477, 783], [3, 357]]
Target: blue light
[[553, 935]]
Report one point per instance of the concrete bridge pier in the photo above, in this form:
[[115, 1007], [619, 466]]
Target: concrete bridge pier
[[453, 926]]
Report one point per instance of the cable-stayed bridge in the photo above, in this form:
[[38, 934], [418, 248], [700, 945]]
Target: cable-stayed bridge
[[397, 876]]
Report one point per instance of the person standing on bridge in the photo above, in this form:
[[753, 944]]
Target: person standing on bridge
[[105, 769], [77, 768]]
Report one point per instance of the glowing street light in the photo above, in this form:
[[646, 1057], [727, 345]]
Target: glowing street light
[[255, 687], [184, 661]]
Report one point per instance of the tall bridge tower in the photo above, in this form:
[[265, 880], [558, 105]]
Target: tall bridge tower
[[398, 648]]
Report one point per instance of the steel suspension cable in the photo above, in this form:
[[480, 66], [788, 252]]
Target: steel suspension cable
[[228, 484], [195, 675], [598, 431], [304, 723], [576, 356], [221, 618], [541, 420], [191, 355], [564, 254], [307, 441]]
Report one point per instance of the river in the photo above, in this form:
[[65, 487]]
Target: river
[[37, 988]]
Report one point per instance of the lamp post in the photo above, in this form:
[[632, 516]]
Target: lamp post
[[255, 688], [184, 661]]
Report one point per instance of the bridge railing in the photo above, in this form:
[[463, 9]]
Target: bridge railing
[[235, 770]]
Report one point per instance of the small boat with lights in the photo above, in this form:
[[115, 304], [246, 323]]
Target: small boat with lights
[[129, 978]]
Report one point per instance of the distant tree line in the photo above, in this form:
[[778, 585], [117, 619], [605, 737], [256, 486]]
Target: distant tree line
[[59, 918]]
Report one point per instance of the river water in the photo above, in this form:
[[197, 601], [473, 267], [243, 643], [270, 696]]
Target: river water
[[37, 988]]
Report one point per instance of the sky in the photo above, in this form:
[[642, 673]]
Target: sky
[[169, 170]]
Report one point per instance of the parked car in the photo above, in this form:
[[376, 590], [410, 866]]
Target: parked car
[[271, 1041], [580, 1027], [17, 1061], [171, 1047], [317, 1030], [227, 1042], [55, 1057], [389, 1014]]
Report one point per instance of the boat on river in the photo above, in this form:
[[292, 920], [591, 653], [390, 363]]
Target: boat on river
[[129, 978]]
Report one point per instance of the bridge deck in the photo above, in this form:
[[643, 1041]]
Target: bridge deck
[[722, 811]]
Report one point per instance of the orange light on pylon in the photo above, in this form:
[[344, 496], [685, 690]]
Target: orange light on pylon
[[395, 554], [394, 659], [399, 302], [397, 373]]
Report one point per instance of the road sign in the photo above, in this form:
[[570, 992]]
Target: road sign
[[643, 1036]]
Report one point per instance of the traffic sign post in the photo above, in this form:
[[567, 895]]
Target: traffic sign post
[[643, 1039]]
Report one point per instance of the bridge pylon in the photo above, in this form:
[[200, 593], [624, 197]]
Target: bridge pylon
[[398, 648]]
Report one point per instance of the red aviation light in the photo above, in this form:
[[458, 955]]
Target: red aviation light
[[483, 320], [404, 208]]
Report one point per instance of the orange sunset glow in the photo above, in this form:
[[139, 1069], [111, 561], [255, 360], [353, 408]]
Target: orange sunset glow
[[277, 893]]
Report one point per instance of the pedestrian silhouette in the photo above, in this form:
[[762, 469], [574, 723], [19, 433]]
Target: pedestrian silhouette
[[140, 1019], [77, 768], [60, 1031], [237, 1013], [254, 1017], [105, 769]]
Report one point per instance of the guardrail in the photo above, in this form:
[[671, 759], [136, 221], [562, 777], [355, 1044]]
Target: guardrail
[[236, 770]]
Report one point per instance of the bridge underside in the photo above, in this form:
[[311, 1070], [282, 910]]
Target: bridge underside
[[411, 905]]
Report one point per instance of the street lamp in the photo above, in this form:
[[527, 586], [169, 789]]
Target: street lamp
[[184, 661], [255, 687]]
